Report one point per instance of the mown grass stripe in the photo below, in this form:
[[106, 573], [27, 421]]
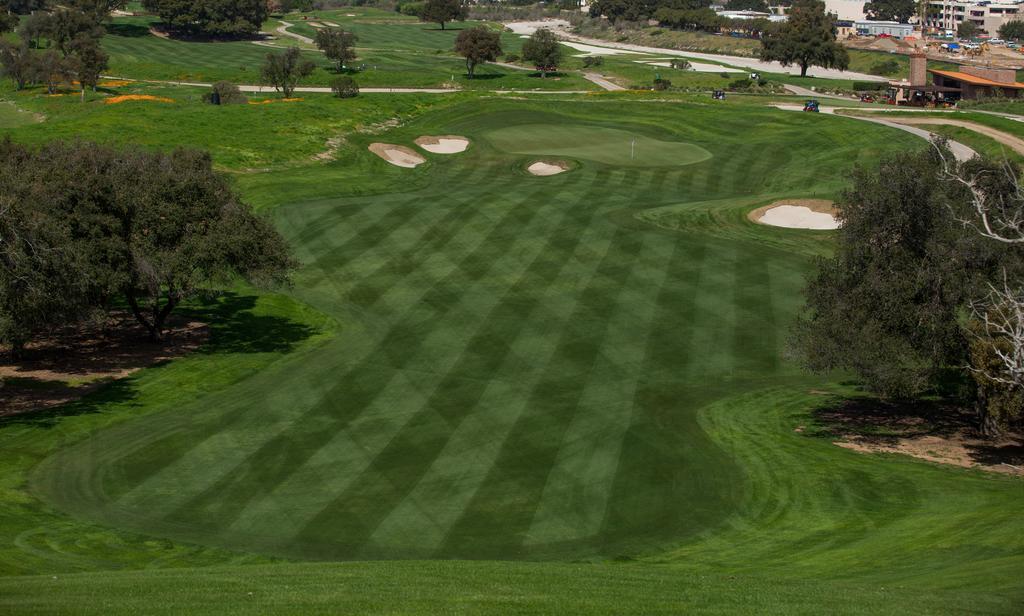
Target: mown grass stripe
[[574, 499], [388, 482], [421, 521], [277, 435], [513, 487]]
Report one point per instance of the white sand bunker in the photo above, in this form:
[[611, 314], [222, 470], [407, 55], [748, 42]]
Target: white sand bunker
[[542, 168], [798, 214], [445, 144], [397, 155]]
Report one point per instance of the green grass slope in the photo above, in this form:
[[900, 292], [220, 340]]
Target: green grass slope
[[586, 367]]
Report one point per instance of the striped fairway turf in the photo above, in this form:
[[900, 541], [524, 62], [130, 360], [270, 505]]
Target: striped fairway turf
[[579, 367]]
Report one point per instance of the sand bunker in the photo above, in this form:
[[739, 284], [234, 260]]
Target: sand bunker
[[542, 168], [397, 155], [445, 144], [798, 214]]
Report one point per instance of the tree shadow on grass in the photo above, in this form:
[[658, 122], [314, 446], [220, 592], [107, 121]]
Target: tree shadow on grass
[[485, 76], [127, 30], [233, 328]]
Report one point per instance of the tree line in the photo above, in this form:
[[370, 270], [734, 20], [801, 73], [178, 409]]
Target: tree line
[[69, 36], [86, 228], [925, 294]]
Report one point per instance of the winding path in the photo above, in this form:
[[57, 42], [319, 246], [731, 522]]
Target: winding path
[[284, 31], [558, 27], [960, 151]]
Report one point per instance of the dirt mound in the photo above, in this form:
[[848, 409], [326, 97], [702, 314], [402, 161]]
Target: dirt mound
[[444, 144], [798, 214], [546, 168], [397, 155]]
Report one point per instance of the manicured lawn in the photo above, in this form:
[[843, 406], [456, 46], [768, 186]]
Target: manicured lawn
[[477, 364]]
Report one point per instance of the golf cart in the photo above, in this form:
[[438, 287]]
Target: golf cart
[[811, 106], [718, 95]]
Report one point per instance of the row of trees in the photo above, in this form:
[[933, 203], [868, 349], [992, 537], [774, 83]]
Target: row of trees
[[216, 18], [73, 36], [925, 294], [87, 228]]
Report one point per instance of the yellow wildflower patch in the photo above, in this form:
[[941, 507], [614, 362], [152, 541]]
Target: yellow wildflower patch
[[114, 83], [276, 100], [137, 97]]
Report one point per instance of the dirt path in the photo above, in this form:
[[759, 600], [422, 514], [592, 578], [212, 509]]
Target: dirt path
[[283, 30], [960, 151], [602, 82], [560, 28], [1014, 143]]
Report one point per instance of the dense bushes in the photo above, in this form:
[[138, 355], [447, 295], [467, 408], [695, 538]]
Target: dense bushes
[[225, 93], [84, 227], [222, 18], [344, 87]]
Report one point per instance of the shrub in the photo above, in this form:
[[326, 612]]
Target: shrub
[[511, 58], [662, 84], [591, 61], [740, 84], [345, 87], [870, 86], [225, 93], [412, 9], [885, 68]]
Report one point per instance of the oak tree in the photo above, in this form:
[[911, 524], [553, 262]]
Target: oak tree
[[478, 45]]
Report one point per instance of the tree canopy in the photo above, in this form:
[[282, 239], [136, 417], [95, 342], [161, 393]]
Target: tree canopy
[[807, 39], [442, 11], [747, 5], [476, 45], [1012, 30], [890, 304], [223, 18], [83, 227], [967, 30], [639, 10], [337, 45], [890, 10], [285, 69], [543, 51]]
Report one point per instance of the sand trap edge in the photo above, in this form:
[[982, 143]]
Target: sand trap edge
[[427, 141], [561, 165], [382, 149], [822, 206]]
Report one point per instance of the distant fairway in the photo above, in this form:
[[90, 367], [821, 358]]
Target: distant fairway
[[475, 363], [610, 146], [398, 52]]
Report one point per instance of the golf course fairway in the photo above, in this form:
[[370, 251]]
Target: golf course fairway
[[580, 379]]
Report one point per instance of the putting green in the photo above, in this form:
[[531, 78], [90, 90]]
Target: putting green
[[609, 146]]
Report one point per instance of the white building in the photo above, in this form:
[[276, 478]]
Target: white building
[[989, 16], [889, 28]]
